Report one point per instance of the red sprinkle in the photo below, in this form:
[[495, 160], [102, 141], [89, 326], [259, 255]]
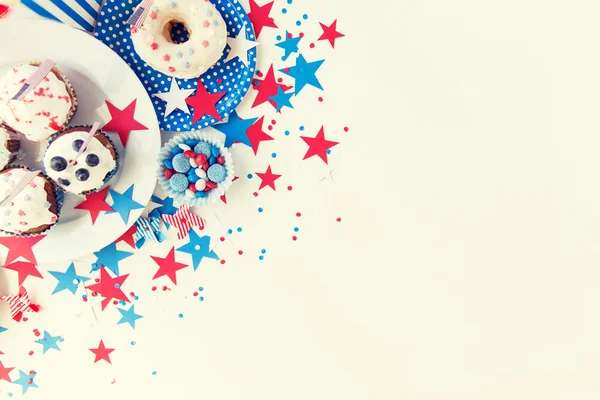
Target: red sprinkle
[[189, 154], [168, 173], [312, 45], [164, 288], [200, 159], [171, 69], [154, 46], [167, 57], [220, 160]]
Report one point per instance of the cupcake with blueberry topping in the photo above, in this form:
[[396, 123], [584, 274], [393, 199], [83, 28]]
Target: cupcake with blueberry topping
[[94, 167], [9, 146]]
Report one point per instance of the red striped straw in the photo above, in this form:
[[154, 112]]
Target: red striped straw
[[12, 193], [86, 142], [139, 16], [42, 70]]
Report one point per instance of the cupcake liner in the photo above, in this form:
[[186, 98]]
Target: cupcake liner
[[180, 197], [108, 176], [13, 145], [58, 196]]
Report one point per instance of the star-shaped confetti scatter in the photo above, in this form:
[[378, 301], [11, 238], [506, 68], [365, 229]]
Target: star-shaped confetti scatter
[[166, 205], [128, 316], [20, 247], [25, 381], [95, 203], [289, 44], [282, 99], [123, 203], [49, 342], [122, 121], [198, 247], [127, 237], [168, 266], [268, 178], [148, 229], [184, 220], [4, 371], [204, 103], [3, 329], [259, 16], [102, 353], [20, 303], [109, 288], [235, 129], [68, 280], [330, 33], [109, 257], [175, 98], [266, 88], [256, 134], [24, 269], [240, 46], [318, 145], [304, 73]]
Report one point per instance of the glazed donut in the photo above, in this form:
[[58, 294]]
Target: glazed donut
[[207, 37]]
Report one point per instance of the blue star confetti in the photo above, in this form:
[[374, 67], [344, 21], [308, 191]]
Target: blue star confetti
[[166, 205], [67, 280], [198, 247], [109, 257], [25, 381], [123, 203], [235, 129], [282, 99], [289, 45], [128, 316], [304, 73], [148, 228], [49, 342]]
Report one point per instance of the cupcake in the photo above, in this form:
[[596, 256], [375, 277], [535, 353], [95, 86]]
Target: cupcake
[[9, 146], [44, 111], [94, 167], [195, 169], [34, 210]]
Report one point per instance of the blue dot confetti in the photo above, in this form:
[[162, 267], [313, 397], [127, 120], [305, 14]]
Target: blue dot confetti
[[229, 231], [201, 298], [263, 251], [296, 229], [328, 151], [287, 133], [260, 209], [289, 1], [117, 286], [122, 302], [133, 342], [136, 297], [278, 37], [302, 128], [180, 315], [305, 16], [283, 10], [84, 296], [239, 229], [298, 23], [261, 258], [274, 155], [249, 176], [10, 394], [200, 289], [153, 372]]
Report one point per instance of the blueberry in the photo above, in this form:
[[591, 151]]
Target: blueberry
[[63, 182], [92, 160], [58, 164], [82, 174], [77, 144]]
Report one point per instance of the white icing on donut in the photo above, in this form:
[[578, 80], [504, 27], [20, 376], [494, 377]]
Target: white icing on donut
[[207, 37], [42, 112], [5, 153], [63, 147], [30, 209]]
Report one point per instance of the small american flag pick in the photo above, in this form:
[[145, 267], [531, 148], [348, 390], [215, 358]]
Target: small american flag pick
[[139, 16], [19, 304], [183, 220]]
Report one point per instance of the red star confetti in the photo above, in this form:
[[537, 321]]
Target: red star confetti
[[266, 88], [24, 269], [4, 371], [204, 103], [122, 121], [259, 16], [95, 203], [256, 135], [330, 33], [318, 145], [20, 247], [127, 237], [183, 220], [102, 353], [168, 266], [3, 11], [109, 288], [268, 178], [19, 304]]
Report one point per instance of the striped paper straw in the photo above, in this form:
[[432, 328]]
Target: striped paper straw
[[12, 193], [139, 16], [42, 70], [86, 142]]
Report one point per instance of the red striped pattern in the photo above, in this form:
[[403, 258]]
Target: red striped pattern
[[19, 303], [184, 220]]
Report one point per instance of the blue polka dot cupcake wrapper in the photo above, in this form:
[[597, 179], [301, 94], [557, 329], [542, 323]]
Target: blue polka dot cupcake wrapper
[[166, 153]]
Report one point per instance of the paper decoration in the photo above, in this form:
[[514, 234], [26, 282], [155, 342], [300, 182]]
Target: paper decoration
[[256, 134], [123, 203], [122, 121], [4, 371], [304, 73], [40, 73], [240, 46], [68, 280], [166, 205], [267, 178], [76, 13], [109, 288], [19, 304], [20, 247], [4, 9], [289, 44], [49, 342], [330, 33], [175, 98], [168, 266], [204, 103], [109, 257], [260, 16], [102, 353], [282, 99], [95, 203], [266, 88], [198, 247], [148, 228], [235, 129], [24, 269], [128, 316], [22, 184], [183, 220], [127, 237], [25, 381], [139, 16], [318, 145]]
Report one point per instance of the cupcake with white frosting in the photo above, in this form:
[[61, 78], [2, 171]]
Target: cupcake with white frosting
[[9, 146], [42, 112], [91, 170]]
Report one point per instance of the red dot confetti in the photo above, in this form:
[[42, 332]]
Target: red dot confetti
[[312, 45], [164, 288], [195, 293], [131, 294], [289, 188], [219, 81], [290, 36], [85, 299], [32, 372], [115, 302], [320, 99], [287, 69], [294, 238], [255, 194], [153, 288], [222, 239], [298, 214], [222, 261], [25, 319], [30, 352], [270, 127], [274, 122], [346, 129], [97, 280], [30, 381], [280, 79], [301, 35], [260, 74], [338, 219], [240, 252]]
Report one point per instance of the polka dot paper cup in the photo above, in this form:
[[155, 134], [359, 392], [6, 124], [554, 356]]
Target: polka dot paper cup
[[194, 168]]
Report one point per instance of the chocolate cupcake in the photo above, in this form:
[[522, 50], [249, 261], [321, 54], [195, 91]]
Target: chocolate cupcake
[[94, 167], [45, 110], [34, 210], [9, 146]]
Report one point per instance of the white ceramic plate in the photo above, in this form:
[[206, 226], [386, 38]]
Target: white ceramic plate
[[97, 74]]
